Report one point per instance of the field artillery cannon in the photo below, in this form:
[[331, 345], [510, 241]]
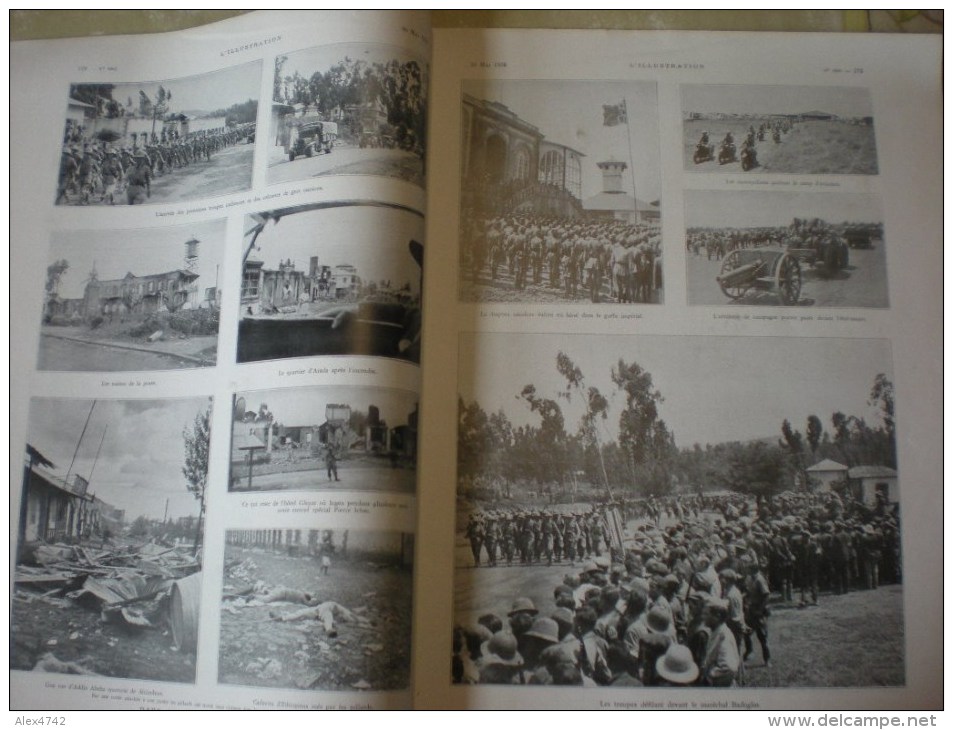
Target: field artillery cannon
[[761, 270]]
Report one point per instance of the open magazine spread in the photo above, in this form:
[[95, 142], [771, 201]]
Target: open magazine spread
[[662, 412]]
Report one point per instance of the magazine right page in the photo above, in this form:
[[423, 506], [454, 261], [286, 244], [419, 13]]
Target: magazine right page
[[682, 419]]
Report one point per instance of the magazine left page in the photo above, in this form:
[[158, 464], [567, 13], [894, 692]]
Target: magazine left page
[[218, 241]]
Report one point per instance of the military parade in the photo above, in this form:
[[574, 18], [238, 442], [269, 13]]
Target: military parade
[[93, 172], [678, 596], [609, 519], [571, 259]]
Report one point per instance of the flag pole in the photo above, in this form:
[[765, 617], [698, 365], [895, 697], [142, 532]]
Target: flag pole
[[628, 136], [635, 195]]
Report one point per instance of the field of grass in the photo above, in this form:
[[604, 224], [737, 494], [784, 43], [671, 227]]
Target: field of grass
[[854, 640], [811, 148]]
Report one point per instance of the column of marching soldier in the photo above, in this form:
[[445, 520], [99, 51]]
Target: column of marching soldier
[[97, 171]]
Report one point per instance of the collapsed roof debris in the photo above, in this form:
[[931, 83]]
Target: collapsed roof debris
[[131, 584]]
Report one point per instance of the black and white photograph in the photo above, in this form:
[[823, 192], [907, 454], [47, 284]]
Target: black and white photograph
[[324, 438], [560, 186], [348, 109], [807, 130], [785, 248], [339, 278], [317, 609], [615, 528], [165, 141], [134, 299], [108, 573]]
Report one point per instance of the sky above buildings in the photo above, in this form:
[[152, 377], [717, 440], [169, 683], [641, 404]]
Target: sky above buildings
[[306, 406], [843, 101], [373, 239], [201, 93], [139, 464], [142, 251], [571, 113]]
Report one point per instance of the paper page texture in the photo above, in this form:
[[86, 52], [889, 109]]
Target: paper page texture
[[217, 240], [682, 367]]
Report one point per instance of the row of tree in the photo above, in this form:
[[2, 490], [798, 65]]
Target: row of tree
[[643, 459]]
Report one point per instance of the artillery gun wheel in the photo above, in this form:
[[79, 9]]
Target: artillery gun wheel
[[787, 279], [732, 261]]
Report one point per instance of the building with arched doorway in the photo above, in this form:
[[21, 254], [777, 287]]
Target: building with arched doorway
[[508, 165]]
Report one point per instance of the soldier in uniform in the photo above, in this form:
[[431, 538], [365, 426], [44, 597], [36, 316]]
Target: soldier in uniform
[[593, 272], [475, 534], [537, 255], [508, 538], [495, 243], [756, 598], [112, 174], [871, 552], [332, 464], [139, 182], [546, 533], [570, 537], [721, 663], [88, 173], [782, 565], [806, 551], [492, 538], [555, 259], [69, 173]]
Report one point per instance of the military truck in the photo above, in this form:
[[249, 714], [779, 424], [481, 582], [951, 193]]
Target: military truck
[[309, 138]]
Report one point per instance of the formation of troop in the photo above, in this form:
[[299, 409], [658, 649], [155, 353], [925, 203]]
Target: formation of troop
[[94, 171], [579, 258], [803, 233], [680, 605], [534, 535]]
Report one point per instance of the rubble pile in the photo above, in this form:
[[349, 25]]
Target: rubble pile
[[129, 583]]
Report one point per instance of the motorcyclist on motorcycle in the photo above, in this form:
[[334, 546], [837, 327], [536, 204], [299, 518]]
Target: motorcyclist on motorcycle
[[749, 155], [704, 149], [728, 144]]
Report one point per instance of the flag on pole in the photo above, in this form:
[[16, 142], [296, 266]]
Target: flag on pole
[[614, 114]]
